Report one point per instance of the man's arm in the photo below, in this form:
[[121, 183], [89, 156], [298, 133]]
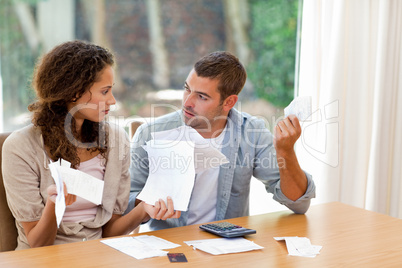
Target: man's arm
[[293, 181]]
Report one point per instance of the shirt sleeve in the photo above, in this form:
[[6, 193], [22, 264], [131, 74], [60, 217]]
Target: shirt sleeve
[[267, 171], [22, 179], [123, 193]]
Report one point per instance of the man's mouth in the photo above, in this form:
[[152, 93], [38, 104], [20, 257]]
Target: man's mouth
[[188, 114]]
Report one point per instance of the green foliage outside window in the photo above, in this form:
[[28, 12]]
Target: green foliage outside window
[[273, 41], [17, 62]]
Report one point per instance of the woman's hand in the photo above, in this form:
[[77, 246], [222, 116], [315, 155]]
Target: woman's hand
[[43, 232], [52, 194], [160, 211]]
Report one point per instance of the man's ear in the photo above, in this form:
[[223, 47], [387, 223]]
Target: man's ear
[[230, 102]]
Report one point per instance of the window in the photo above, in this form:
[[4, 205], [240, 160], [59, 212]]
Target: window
[[156, 44]]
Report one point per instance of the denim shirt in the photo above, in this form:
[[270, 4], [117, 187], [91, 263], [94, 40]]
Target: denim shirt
[[248, 145]]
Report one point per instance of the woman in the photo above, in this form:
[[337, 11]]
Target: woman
[[73, 84]]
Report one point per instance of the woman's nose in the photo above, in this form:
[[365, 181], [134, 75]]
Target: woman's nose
[[111, 100]]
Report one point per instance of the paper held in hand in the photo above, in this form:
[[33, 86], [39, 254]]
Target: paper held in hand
[[301, 107], [171, 173], [77, 182], [172, 165]]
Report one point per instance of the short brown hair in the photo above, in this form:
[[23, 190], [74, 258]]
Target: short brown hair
[[227, 68]]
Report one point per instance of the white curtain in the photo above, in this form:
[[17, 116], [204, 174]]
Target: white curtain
[[351, 65]]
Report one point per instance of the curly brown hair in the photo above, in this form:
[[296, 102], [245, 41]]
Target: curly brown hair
[[62, 76]]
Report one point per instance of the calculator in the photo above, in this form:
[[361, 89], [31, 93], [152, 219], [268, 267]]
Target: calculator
[[226, 229]]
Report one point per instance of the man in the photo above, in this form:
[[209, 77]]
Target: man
[[211, 91]]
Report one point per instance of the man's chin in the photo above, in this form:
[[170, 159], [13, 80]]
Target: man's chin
[[189, 122]]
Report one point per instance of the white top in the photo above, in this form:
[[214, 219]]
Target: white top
[[82, 210], [203, 199]]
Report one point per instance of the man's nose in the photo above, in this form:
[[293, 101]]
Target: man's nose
[[188, 100]]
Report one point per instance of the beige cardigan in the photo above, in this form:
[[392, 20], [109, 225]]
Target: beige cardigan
[[27, 176]]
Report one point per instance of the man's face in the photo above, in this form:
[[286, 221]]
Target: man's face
[[202, 106]]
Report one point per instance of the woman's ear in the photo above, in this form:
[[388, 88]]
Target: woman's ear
[[230, 102]]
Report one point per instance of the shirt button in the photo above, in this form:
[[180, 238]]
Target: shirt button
[[84, 239]]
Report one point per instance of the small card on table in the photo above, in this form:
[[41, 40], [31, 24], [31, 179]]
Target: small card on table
[[177, 257]]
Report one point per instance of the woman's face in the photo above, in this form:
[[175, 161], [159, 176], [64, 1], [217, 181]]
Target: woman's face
[[95, 103]]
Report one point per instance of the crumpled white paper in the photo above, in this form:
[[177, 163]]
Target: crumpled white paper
[[300, 246], [301, 107]]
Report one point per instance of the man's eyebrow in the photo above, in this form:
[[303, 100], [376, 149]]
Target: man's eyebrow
[[202, 93], [198, 92]]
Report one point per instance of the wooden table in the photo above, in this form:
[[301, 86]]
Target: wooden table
[[351, 237]]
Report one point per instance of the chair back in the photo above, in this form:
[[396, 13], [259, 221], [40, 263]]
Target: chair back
[[133, 127], [8, 230]]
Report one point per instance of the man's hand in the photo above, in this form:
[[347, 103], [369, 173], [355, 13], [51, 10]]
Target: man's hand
[[286, 133], [160, 211]]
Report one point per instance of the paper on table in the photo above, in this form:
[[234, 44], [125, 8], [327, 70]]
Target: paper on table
[[217, 246], [141, 247], [60, 205], [171, 173], [156, 242], [300, 246], [205, 154], [301, 107]]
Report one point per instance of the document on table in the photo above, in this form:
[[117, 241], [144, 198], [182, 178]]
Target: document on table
[[300, 246], [301, 107], [77, 183], [217, 246], [141, 247], [171, 173]]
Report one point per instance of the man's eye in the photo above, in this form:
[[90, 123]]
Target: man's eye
[[202, 97]]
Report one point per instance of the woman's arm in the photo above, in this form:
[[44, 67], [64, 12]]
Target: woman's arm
[[121, 225], [43, 232]]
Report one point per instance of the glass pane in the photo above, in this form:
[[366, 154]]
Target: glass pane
[[156, 44]]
